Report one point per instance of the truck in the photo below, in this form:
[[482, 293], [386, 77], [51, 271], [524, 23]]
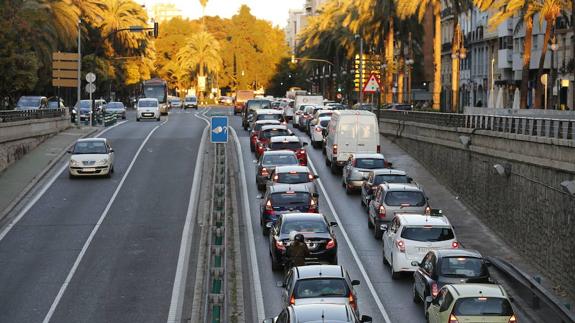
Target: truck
[[302, 100], [240, 100]]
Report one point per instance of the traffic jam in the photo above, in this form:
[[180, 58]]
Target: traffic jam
[[451, 283]]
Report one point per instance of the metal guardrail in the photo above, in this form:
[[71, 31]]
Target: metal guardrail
[[538, 293], [17, 115], [529, 126]]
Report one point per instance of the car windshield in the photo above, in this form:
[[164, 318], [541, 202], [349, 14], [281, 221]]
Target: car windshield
[[427, 234], [53, 104], [411, 198], [90, 147], [462, 267], [369, 163], [28, 102], [390, 179], [147, 104], [309, 225], [268, 133], [115, 106], [291, 145], [255, 105], [191, 99], [290, 198], [325, 114], [324, 123], [482, 306], [267, 116], [156, 92], [280, 160], [85, 105], [292, 178], [321, 287]]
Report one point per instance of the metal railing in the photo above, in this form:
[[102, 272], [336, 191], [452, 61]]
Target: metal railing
[[529, 126], [16, 115]]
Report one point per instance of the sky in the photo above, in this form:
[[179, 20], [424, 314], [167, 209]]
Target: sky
[[275, 11]]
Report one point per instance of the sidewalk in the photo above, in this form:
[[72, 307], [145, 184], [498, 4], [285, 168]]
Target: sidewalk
[[17, 180], [471, 232]]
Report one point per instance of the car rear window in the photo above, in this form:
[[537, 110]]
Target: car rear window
[[292, 145], [321, 287], [280, 160], [427, 234], [292, 178], [482, 306], [369, 163], [462, 267], [266, 116], [259, 126], [324, 123], [115, 105], [255, 105], [290, 198], [410, 198], [390, 179], [309, 225], [325, 114], [267, 134]]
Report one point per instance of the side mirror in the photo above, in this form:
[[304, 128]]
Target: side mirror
[[255, 161], [111, 150], [268, 321], [365, 318], [383, 227], [333, 224], [409, 179], [249, 128], [389, 165], [69, 151], [269, 225], [488, 263], [305, 144], [315, 176], [415, 263], [314, 195], [428, 300], [354, 282], [280, 284], [259, 196]]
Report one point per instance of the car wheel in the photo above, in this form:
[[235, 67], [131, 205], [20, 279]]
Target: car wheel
[[416, 298], [112, 169], [252, 148], [362, 203], [71, 176], [333, 167], [369, 224], [333, 260], [327, 162], [261, 187], [394, 274], [158, 119], [276, 266], [138, 119], [385, 262], [123, 117], [377, 233], [348, 190]]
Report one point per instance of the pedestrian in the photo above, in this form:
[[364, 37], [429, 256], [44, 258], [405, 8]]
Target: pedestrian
[[298, 251]]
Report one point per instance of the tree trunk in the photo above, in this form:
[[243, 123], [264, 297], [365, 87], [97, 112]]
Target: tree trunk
[[526, 60], [389, 49], [437, 55], [573, 54], [455, 47], [539, 90]]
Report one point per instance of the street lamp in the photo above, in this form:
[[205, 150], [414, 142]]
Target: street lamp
[[554, 48], [409, 63]]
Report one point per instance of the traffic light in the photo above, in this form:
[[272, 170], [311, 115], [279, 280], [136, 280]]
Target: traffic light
[[293, 60], [156, 27]]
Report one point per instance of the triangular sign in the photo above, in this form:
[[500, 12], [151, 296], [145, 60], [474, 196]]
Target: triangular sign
[[372, 85]]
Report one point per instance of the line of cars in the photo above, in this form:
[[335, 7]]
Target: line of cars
[[453, 283]]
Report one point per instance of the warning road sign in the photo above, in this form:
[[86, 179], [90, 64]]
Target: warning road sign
[[372, 85]]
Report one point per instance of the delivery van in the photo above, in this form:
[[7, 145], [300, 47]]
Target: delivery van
[[349, 132]]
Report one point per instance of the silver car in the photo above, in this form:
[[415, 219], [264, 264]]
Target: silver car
[[358, 167], [294, 175]]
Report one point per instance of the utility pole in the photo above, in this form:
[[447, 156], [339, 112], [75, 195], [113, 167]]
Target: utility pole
[[79, 89], [360, 68]]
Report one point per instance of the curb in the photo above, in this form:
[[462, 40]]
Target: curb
[[37, 179]]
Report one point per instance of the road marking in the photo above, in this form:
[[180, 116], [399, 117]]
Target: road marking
[[177, 303], [95, 229], [37, 197], [202, 115], [352, 249], [252, 246]]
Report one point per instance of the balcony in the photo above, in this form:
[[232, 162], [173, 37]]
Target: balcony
[[505, 58]]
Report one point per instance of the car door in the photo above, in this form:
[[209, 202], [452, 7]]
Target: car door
[[434, 308], [389, 238], [420, 276], [288, 288], [347, 168], [374, 204], [110, 152]]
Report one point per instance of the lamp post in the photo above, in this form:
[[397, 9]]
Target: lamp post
[[409, 63], [554, 48], [360, 94]]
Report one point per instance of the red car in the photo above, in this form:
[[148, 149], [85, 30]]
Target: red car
[[256, 131], [268, 132], [289, 143]]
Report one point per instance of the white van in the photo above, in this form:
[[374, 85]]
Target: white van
[[349, 132]]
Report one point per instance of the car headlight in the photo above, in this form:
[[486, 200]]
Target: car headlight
[[103, 161], [74, 163]]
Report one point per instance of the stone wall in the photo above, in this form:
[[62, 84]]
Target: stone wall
[[18, 138], [528, 209]]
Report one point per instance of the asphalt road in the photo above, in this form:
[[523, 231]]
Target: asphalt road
[[379, 296], [127, 269]]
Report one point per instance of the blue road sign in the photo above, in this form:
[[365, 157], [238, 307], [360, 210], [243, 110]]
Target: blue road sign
[[219, 129]]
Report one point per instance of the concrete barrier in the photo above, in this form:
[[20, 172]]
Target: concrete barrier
[[19, 137], [528, 113]]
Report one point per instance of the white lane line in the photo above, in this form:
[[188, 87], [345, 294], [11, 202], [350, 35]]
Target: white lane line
[[95, 229], [37, 197], [177, 303], [353, 251], [259, 298]]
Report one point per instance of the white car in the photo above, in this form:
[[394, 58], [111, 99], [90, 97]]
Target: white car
[[148, 108], [316, 133], [91, 157], [297, 113], [410, 236]]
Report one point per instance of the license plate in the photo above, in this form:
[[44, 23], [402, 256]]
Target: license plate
[[424, 249], [89, 169]]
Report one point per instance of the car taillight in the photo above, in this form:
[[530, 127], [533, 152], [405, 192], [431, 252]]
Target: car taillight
[[264, 172], [428, 210], [434, 289], [352, 301], [378, 149], [512, 319], [453, 319], [381, 212], [310, 177], [330, 244], [292, 300], [334, 149], [317, 129], [400, 245], [455, 245], [301, 151], [280, 245], [269, 206]]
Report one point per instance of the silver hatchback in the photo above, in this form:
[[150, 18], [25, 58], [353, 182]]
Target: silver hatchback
[[358, 167]]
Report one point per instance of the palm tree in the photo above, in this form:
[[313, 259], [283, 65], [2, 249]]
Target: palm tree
[[458, 7], [406, 8], [200, 56], [122, 14]]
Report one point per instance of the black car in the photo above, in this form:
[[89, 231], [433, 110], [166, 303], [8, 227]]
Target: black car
[[285, 198], [322, 312], [250, 107], [379, 176], [318, 234], [448, 266]]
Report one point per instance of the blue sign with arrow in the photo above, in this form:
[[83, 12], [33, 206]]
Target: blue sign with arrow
[[219, 129]]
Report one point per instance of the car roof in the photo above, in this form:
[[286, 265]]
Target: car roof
[[279, 188], [315, 271], [274, 126], [302, 216], [284, 139], [325, 118], [477, 290], [146, 99], [329, 312], [410, 219], [401, 187], [372, 156], [324, 110], [353, 112], [271, 122], [268, 111], [278, 152], [457, 253], [91, 139], [289, 168], [32, 96], [388, 171]]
